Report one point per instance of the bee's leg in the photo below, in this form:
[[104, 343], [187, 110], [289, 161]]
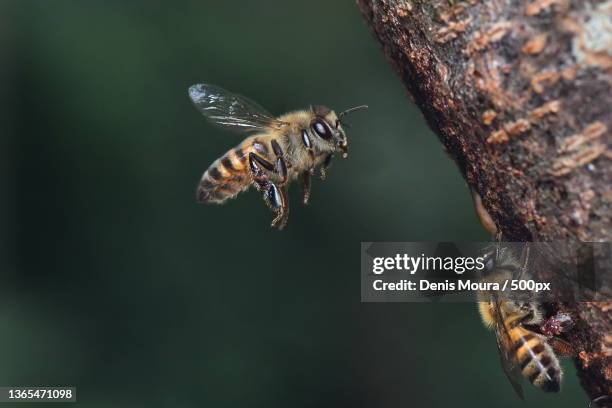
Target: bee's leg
[[307, 176], [274, 197], [311, 155], [281, 169], [281, 163], [524, 319], [483, 215], [306, 182], [326, 165], [256, 165], [524, 260]]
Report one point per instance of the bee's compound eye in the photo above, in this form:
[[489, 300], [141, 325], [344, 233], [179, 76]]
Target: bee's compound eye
[[321, 129]]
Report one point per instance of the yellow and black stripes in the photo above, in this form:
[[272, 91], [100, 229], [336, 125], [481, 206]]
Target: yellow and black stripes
[[226, 177], [536, 360]]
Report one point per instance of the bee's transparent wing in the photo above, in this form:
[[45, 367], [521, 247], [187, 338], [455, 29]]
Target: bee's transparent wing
[[231, 111], [575, 264], [504, 345], [511, 370]]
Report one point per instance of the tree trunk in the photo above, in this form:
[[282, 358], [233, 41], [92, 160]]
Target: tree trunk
[[520, 94]]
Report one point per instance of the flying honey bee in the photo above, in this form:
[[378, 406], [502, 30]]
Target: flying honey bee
[[525, 339], [279, 151]]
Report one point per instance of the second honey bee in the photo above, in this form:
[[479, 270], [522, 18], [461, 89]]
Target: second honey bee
[[279, 151], [525, 342]]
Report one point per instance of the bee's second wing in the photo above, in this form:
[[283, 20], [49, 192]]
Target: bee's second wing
[[230, 110], [504, 345], [511, 370]]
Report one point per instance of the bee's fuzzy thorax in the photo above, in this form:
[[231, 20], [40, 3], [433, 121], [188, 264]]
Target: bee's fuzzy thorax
[[297, 118]]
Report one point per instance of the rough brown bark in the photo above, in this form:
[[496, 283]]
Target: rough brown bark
[[520, 94]]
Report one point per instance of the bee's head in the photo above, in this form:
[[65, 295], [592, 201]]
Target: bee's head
[[328, 131], [327, 126]]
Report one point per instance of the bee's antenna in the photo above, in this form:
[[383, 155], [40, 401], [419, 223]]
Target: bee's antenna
[[356, 108], [346, 125]]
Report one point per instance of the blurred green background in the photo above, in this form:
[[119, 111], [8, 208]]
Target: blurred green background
[[115, 281]]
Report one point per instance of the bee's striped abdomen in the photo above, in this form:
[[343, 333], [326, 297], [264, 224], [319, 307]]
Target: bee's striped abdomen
[[536, 359], [226, 177]]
